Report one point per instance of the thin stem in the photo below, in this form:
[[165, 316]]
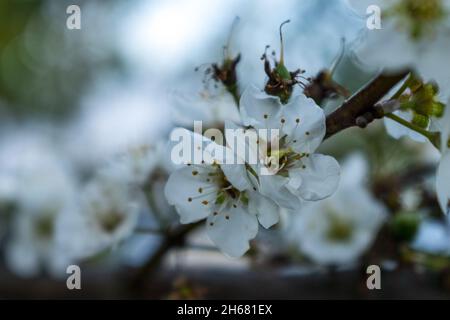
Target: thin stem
[[281, 42], [233, 90], [431, 136], [230, 37], [174, 238]]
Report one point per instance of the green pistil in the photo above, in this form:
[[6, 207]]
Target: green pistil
[[282, 71], [226, 191], [287, 158], [279, 154]]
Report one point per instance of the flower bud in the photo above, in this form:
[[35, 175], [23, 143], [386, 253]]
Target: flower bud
[[281, 81]]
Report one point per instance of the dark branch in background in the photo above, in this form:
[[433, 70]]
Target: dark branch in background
[[362, 103], [174, 238], [389, 188]]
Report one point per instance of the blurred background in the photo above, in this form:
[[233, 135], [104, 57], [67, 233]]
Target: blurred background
[[72, 100]]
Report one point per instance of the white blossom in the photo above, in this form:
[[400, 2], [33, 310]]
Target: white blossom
[[44, 186], [300, 174], [338, 230], [224, 196], [213, 109], [133, 166], [413, 34], [105, 214]]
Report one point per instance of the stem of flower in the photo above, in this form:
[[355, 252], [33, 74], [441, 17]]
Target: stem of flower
[[433, 137], [174, 238], [362, 102], [233, 90]]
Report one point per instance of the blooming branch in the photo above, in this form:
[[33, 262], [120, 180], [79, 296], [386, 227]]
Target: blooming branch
[[362, 102]]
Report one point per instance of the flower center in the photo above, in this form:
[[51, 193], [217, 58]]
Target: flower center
[[111, 221], [418, 17], [285, 158], [339, 229], [45, 227], [226, 190]]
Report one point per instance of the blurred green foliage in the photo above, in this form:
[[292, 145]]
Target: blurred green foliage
[[44, 67]]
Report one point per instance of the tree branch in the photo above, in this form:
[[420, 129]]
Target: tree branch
[[173, 239], [361, 102]]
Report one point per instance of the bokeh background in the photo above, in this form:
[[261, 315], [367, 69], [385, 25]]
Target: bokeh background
[[79, 97]]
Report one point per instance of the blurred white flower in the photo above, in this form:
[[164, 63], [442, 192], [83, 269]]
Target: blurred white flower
[[33, 246], [133, 166], [105, 214], [300, 174], [44, 185], [414, 34], [213, 109], [338, 230], [112, 120], [222, 194]]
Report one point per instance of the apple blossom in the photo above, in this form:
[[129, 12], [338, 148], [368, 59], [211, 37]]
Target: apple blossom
[[223, 195], [299, 173]]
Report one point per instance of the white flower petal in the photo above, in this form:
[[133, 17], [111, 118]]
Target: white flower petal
[[396, 130], [237, 175], [259, 109], [187, 189], [275, 187], [432, 64], [387, 48], [320, 177], [209, 108], [231, 230], [265, 209], [355, 170], [304, 123]]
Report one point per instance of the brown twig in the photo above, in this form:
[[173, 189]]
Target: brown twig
[[173, 239], [361, 102]]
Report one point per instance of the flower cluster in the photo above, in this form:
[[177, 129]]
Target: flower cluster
[[235, 197], [65, 212], [414, 36]]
